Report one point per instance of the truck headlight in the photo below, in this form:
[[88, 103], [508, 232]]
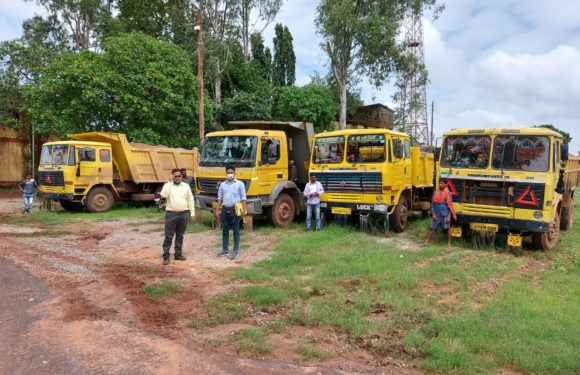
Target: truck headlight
[[538, 215], [379, 198]]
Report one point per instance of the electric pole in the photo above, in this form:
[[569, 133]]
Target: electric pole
[[200, 76]]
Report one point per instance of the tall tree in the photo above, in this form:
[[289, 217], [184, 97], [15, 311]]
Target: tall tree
[[80, 19], [264, 11], [261, 57], [284, 63], [360, 38], [138, 85]]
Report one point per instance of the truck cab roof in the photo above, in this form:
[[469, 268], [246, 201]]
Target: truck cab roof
[[510, 131], [360, 132]]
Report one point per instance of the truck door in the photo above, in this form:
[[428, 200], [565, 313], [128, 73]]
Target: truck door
[[272, 166], [398, 174], [87, 172], [105, 167]]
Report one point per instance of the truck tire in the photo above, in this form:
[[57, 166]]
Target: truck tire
[[100, 199], [401, 214], [71, 206], [549, 239], [283, 211], [567, 217]]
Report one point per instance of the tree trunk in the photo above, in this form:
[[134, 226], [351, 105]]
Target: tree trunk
[[342, 116], [218, 90]]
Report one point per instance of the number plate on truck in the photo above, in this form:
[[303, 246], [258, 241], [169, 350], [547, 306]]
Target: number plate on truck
[[514, 240], [456, 232], [341, 210], [484, 227]]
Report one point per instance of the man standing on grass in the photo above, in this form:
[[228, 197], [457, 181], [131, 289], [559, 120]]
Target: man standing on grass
[[28, 186], [230, 193], [442, 210], [312, 191], [179, 210]]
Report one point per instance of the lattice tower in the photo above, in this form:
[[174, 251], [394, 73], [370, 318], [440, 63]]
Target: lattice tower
[[413, 95]]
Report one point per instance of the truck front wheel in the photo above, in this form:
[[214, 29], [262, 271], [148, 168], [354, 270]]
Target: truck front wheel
[[283, 211], [100, 199], [401, 215], [549, 239]]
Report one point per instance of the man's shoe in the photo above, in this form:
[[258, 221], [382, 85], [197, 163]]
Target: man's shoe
[[222, 253], [234, 256], [180, 257], [165, 262]]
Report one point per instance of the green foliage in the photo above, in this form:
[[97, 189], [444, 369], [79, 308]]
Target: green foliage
[[353, 98], [163, 290], [245, 106], [261, 57], [567, 137], [138, 84], [311, 103], [284, 63]]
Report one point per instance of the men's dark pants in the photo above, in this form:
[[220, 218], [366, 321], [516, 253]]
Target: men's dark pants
[[175, 224], [230, 221]]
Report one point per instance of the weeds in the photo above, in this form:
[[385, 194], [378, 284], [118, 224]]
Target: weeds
[[163, 290], [252, 340]]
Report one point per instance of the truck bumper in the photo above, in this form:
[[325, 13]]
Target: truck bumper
[[56, 196], [505, 224], [206, 202], [356, 207]]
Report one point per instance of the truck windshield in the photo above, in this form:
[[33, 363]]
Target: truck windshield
[[329, 150], [466, 151], [365, 148], [54, 154], [222, 151], [521, 152]]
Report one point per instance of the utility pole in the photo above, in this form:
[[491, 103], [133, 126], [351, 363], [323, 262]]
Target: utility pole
[[432, 136], [200, 76]]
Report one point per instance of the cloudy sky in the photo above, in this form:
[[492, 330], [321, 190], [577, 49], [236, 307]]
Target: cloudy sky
[[491, 63]]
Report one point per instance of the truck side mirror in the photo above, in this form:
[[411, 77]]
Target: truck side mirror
[[564, 152], [437, 153]]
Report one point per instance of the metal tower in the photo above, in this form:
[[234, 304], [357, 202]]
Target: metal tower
[[412, 86]]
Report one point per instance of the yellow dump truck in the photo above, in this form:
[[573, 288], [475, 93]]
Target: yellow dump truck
[[271, 159], [373, 175], [94, 170], [518, 181]]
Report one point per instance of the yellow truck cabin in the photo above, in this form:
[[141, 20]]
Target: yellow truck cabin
[[372, 176], [519, 181]]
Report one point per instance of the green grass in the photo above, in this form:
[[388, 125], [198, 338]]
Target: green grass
[[448, 311], [164, 289], [61, 216], [252, 340]]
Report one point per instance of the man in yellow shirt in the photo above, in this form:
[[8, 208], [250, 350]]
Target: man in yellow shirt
[[179, 210]]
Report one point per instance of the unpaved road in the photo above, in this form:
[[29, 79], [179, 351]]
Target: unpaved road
[[71, 302]]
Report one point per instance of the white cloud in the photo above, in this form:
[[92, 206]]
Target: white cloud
[[12, 14]]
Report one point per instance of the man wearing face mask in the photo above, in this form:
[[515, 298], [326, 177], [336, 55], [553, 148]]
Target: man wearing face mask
[[179, 210], [230, 193]]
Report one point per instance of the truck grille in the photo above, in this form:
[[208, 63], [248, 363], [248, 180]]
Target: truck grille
[[51, 178], [356, 182], [485, 210], [211, 185]]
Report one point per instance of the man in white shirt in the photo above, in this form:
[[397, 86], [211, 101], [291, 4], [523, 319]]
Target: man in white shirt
[[179, 210], [312, 192]]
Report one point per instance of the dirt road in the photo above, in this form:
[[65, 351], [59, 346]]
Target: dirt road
[[71, 302]]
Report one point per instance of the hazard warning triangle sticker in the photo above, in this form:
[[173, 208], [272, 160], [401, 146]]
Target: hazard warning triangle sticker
[[527, 198]]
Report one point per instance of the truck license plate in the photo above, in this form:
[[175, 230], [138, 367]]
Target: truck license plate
[[484, 227], [514, 240], [456, 232], [341, 210]]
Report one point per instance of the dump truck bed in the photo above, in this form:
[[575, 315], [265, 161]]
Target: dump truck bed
[[572, 173], [422, 167], [141, 163]]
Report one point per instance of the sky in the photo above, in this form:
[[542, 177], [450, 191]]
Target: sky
[[492, 63]]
